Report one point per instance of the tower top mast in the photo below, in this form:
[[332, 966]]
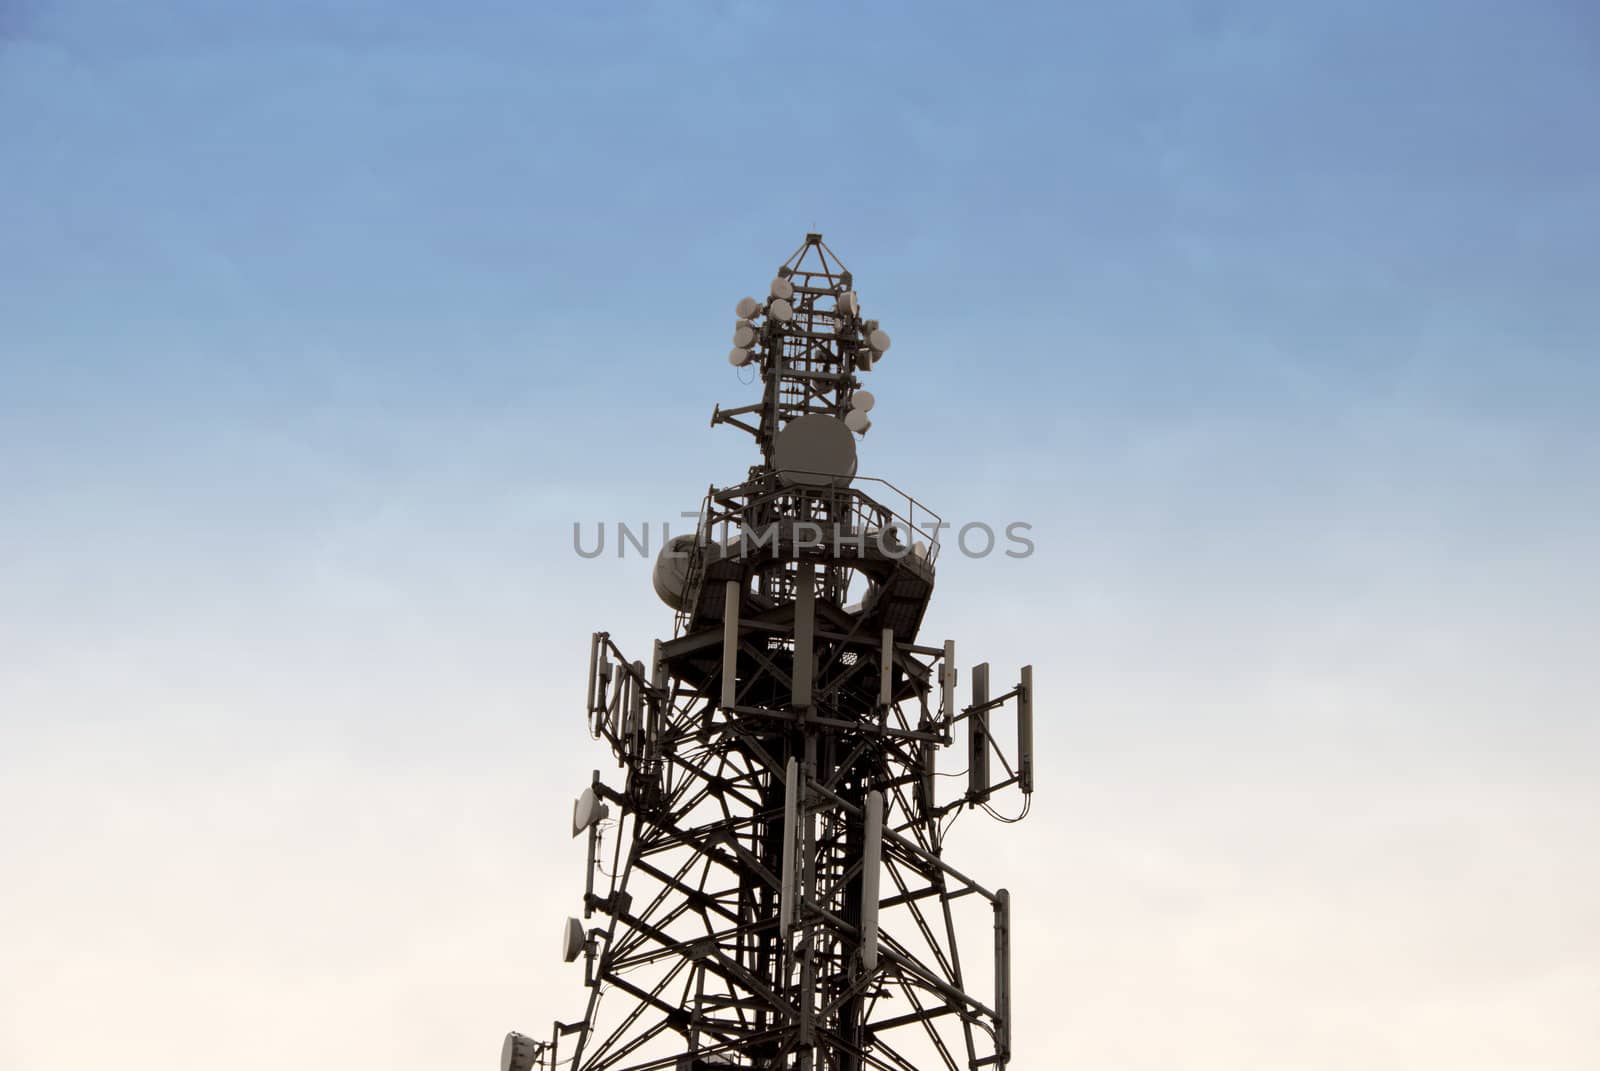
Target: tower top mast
[[809, 341]]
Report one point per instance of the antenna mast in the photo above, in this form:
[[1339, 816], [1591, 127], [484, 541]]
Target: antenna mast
[[772, 892]]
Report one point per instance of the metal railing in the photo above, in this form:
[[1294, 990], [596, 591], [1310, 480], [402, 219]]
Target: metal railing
[[842, 512]]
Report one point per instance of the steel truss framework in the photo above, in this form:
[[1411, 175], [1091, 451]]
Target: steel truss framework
[[773, 891]]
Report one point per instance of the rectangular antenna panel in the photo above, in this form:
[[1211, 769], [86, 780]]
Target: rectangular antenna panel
[[618, 672], [635, 699], [947, 683], [1002, 973], [978, 736], [660, 700], [594, 669], [1025, 731], [730, 643], [930, 766]]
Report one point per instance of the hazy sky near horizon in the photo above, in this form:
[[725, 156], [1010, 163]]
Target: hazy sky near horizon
[[322, 323]]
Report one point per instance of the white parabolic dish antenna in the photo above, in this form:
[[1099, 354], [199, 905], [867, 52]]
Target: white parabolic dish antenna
[[517, 1054], [670, 576], [572, 940], [586, 811], [815, 450]]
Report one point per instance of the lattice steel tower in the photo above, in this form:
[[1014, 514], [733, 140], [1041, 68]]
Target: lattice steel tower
[[767, 889]]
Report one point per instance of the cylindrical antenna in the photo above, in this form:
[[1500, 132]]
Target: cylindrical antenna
[[871, 864], [886, 670], [791, 821]]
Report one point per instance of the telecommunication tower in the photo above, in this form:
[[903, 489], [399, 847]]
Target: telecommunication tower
[[767, 888]]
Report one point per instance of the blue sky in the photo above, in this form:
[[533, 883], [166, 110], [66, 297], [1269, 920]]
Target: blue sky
[[320, 324]]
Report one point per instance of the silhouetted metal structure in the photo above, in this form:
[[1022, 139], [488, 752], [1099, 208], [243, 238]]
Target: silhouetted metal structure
[[772, 891]]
